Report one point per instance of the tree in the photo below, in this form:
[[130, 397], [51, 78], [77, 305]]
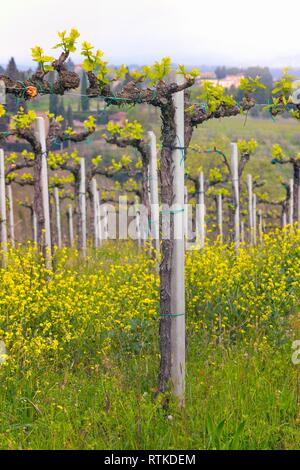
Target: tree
[[132, 135], [22, 127], [70, 162], [85, 102], [151, 86], [70, 116], [37, 83], [12, 72], [280, 157]]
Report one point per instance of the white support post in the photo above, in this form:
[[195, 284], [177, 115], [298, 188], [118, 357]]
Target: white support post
[[95, 211], [34, 224], [254, 220], [250, 207], [58, 220], [291, 203], [260, 226], [137, 221], [41, 135], [153, 180], [298, 200], [242, 231], [220, 216], [201, 207], [105, 222], [3, 204], [177, 272], [186, 216], [236, 196], [71, 229], [11, 216], [99, 225], [82, 195], [284, 221]]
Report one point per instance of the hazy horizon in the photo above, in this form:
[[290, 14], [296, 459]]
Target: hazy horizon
[[138, 32]]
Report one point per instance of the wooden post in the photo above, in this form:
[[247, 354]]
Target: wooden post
[[177, 272], [291, 204], [220, 216], [95, 211], [82, 196], [41, 134], [58, 220], [11, 216], [201, 217], [153, 185], [236, 196], [71, 230], [3, 206], [250, 207], [254, 220]]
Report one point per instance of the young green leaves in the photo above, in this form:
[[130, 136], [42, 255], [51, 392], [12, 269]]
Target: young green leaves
[[250, 85], [214, 97], [131, 130], [22, 120], [67, 43]]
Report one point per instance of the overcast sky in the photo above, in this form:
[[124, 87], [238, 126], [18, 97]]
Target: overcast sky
[[232, 32]]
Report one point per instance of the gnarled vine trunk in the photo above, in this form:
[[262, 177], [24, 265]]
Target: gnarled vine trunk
[[167, 196]]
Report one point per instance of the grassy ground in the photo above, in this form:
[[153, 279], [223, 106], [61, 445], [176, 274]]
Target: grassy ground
[[236, 398], [82, 364]]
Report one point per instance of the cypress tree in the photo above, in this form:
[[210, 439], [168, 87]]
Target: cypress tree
[[85, 103]]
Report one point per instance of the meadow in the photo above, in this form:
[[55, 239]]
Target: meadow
[[82, 350]]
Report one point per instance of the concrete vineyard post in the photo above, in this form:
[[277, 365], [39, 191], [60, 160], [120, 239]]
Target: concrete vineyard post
[[71, 230], [298, 201], [177, 272], [242, 231], [250, 207], [186, 217], [11, 216], [254, 220], [291, 203], [82, 195], [105, 222], [58, 219], [220, 216], [137, 221], [3, 206], [260, 226], [99, 226], [41, 134], [95, 212], [201, 208], [236, 196], [34, 224], [153, 185]]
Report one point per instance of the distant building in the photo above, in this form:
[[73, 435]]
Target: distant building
[[78, 69], [119, 117], [227, 82], [207, 76], [231, 81]]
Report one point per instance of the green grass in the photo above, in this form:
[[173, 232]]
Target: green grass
[[236, 398]]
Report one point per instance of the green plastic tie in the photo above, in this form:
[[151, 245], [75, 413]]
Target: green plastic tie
[[172, 211], [172, 314]]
